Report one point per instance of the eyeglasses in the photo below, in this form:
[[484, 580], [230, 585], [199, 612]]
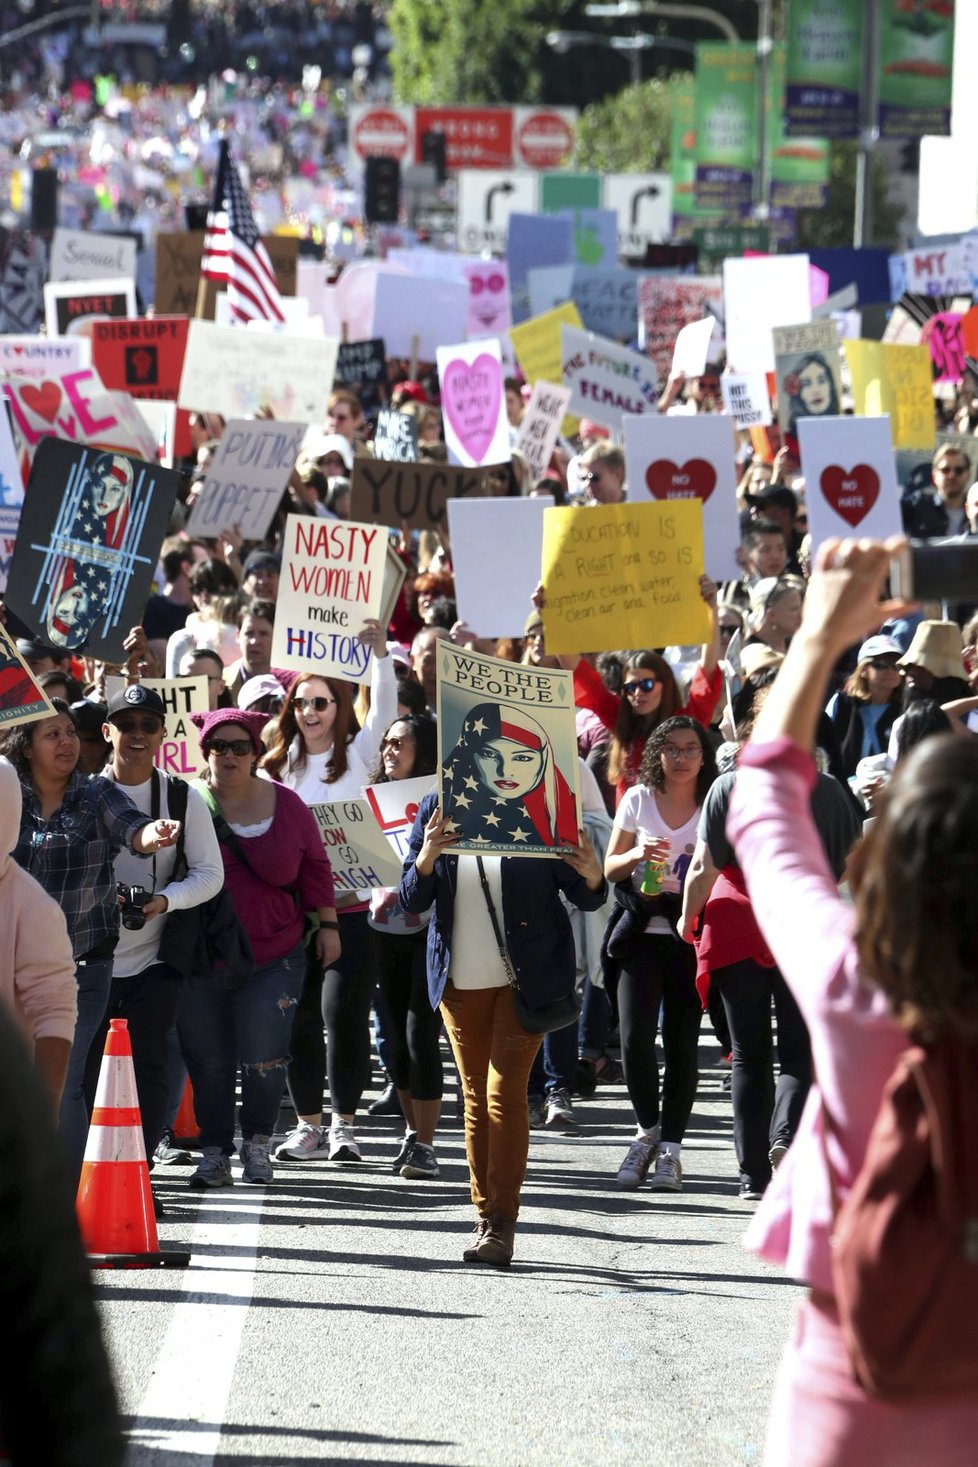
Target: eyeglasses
[[889, 662], [643, 685], [137, 725], [237, 747], [395, 744], [310, 705], [673, 751], [950, 468]]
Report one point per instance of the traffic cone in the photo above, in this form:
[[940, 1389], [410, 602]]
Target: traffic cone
[[115, 1202], [186, 1128]]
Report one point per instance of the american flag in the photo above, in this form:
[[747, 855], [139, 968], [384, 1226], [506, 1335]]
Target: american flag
[[233, 251]]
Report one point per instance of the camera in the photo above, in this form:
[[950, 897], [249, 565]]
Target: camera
[[133, 900], [936, 570]]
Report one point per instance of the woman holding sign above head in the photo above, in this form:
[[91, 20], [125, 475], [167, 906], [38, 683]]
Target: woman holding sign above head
[[319, 750]]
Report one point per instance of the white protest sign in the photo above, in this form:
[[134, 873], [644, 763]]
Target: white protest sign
[[11, 481], [936, 270], [689, 458], [358, 849], [179, 754], [746, 400], [9, 520], [227, 371], [71, 305], [473, 403], [606, 380], [415, 315], [43, 356], [760, 293], [540, 424], [692, 348], [246, 478], [161, 419], [850, 477], [549, 286], [77, 254], [332, 581], [493, 591], [395, 807]]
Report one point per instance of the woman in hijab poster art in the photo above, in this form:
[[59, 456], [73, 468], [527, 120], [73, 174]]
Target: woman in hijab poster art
[[507, 754]]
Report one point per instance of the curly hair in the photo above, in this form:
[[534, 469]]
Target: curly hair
[[913, 880], [652, 772], [285, 729], [629, 725], [17, 742]]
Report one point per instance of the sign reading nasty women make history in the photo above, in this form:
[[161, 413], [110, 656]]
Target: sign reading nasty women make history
[[332, 581]]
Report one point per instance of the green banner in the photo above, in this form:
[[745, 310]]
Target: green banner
[[569, 191], [718, 242], [726, 118], [798, 167], [824, 68], [685, 212], [916, 56]]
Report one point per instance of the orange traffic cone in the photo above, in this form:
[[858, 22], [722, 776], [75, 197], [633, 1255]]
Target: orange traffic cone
[[114, 1202], [186, 1128]]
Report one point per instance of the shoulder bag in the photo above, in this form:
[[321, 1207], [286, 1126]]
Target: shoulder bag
[[545, 1018]]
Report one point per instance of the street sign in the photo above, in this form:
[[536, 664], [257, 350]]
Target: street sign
[[643, 203], [544, 137], [486, 200], [381, 132], [569, 191]]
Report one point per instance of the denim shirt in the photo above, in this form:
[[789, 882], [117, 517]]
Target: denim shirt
[[535, 924]]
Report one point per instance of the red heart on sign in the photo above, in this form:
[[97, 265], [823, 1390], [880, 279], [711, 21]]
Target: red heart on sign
[[697, 479], [851, 493], [44, 400]]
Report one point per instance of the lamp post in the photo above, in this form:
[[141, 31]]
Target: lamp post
[[624, 8], [631, 46]]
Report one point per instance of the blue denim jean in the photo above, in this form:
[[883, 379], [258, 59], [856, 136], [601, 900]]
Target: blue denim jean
[[556, 1061], [94, 980], [251, 1027]]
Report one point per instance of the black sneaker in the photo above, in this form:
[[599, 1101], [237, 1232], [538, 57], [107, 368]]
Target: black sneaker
[[750, 1192], [585, 1080], [166, 1154], [404, 1151], [386, 1104], [610, 1073]]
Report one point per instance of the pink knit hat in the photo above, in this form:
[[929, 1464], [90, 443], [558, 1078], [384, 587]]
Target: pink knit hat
[[209, 723]]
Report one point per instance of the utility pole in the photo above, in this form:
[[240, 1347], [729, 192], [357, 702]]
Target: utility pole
[[862, 229], [762, 173]]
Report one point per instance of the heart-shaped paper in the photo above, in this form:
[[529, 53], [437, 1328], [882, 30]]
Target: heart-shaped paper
[[851, 493], [44, 400], [697, 479], [471, 396]]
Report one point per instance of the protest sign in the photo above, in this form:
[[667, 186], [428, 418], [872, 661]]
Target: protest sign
[[534, 241], [607, 299], [74, 406], [745, 398], [226, 371], [178, 258], [395, 574], [70, 307], [850, 478], [415, 315], [88, 545], [606, 380], [362, 363], [667, 303], [895, 380], [680, 458], [41, 356], [507, 754], [945, 342], [9, 521], [623, 575], [161, 419], [395, 808], [395, 437], [489, 303], [548, 286], [22, 700], [494, 592], [179, 754], [540, 424], [934, 270], [332, 581], [77, 254], [473, 403], [537, 342], [144, 357], [246, 477], [692, 349], [760, 293], [359, 851], [11, 480], [808, 365], [412, 494]]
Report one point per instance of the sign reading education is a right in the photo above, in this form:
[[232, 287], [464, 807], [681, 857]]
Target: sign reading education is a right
[[623, 575]]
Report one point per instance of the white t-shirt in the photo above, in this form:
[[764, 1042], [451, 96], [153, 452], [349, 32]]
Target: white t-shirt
[[639, 811], [475, 959]]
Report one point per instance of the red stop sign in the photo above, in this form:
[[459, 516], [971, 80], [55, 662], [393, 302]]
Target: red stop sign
[[381, 133], [544, 140]]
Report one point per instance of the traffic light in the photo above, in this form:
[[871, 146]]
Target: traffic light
[[382, 191], [44, 200], [433, 152]]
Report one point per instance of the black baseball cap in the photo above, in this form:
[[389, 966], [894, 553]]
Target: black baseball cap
[[136, 699]]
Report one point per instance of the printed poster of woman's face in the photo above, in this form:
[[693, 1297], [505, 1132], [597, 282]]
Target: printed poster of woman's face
[[809, 386]]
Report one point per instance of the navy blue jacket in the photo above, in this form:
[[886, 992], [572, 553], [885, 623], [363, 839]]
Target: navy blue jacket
[[535, 924]]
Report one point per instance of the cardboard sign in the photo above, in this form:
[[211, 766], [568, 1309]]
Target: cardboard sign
[[179, 754], [77, 254], [808, 366], [332, 581], [760, 293], [606, 380], [395, 437], [70, 307], [623, 575], [227, 371], [395, 574], [667, 303], [359, 852], [679, 458], [540, 424], [537, 342], [22, 700], [360, 363], [850, 478], [745, 398], [33, 357], [507, 754], [89, 541], [896, 381], [473, 403], [77, 407], [395, 808], [494, 591], [412, 494], [246, 477], [416, 315], [178, 259]]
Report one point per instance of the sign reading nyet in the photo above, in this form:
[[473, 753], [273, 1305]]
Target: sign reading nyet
[[605, 379], [332, 581]]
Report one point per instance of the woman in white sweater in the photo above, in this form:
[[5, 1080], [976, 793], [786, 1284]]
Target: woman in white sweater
[[318, 749]]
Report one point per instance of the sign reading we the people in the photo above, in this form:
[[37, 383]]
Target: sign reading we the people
[[623, 575], [332, 581]]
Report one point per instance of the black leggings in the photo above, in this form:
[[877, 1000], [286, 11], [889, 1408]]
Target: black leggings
[[338, 998], [660, 970], [414, 1058]]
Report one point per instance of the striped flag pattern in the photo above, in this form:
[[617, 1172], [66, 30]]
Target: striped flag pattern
[[233, 250]]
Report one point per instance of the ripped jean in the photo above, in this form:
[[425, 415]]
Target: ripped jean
[[250, 1026]]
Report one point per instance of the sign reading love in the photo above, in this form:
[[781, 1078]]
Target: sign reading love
[[851, 493], [697, 479], [471, 397]]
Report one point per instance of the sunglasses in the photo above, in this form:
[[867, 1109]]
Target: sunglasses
[[883, 662], [726, 631], [137, 725], [643, 685], [952, 468], [237, 747], [396, 744], [310, 705]]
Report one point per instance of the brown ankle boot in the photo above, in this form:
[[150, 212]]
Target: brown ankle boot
[[471, 1253], [496, 1247]]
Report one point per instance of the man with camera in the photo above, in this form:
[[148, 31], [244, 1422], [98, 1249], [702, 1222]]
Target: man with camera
[[144, 990]]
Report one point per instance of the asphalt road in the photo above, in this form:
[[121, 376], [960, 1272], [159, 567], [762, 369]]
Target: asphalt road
[[329, 1318]]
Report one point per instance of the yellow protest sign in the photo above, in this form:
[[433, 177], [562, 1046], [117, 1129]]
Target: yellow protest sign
[[537, 342], [623, 575], [894, 379]]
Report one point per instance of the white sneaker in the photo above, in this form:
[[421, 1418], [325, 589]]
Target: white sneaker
[[668, 1174], [343, 1144], [639, 1157], [303, 1143]]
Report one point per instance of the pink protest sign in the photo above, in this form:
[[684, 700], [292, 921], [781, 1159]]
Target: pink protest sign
[[473, 403], [945, 340], [489, 307], [76, 407]]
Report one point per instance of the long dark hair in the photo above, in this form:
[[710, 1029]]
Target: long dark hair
[[17, 742], [629, 726], [652, 772], [286, 727], [425, 735]]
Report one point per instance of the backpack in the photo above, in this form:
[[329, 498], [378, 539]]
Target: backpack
[[905, 1245]]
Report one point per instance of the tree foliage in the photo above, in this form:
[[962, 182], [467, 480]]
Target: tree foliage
[[833, 225], [629, 132], [465, 51]]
